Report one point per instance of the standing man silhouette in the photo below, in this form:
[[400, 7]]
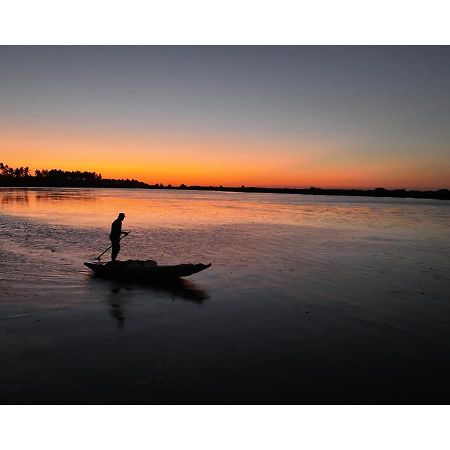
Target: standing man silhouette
[[116, 233]]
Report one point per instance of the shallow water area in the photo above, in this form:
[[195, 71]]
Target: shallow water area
[[310, 299]]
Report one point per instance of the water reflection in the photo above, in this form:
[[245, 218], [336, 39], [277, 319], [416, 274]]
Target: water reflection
[[16, 195], [185, 209], [176, 289], [116, 307], [181, 288], [79, 195]]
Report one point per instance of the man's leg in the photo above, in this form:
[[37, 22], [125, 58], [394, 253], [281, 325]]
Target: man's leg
[[115, 250]]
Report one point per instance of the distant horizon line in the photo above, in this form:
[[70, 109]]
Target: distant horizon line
[[343, 188], [26, 175]]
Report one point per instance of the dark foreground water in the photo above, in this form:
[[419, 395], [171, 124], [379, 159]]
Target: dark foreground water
[[309, 299]]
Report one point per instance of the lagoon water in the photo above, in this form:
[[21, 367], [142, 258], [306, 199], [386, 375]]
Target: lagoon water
[[310, 299]]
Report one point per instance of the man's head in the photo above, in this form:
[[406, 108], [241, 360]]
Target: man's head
[[121, 216]]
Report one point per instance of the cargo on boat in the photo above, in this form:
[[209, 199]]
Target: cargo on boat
[[144, 270]]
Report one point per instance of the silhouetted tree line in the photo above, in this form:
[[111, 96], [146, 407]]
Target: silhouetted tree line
[[13, 173], [441, 194], [20, 176]]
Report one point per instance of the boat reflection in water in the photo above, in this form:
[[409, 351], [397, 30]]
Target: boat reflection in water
[[179, 289]]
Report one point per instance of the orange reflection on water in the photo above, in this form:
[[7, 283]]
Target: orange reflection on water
[[143, 208], [147, 209]]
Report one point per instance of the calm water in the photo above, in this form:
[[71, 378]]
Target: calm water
[[310, 299]]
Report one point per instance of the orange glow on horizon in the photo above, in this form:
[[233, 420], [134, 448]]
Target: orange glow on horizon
[[215, 160]]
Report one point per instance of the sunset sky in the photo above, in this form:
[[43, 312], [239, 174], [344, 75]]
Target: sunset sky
[[259, 116]]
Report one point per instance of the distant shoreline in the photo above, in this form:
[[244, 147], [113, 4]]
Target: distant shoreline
[[440, 194], [22, 177]]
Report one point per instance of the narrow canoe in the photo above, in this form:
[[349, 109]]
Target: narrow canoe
[[144, 270]]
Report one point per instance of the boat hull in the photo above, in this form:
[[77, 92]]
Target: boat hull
[[144, 270]]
